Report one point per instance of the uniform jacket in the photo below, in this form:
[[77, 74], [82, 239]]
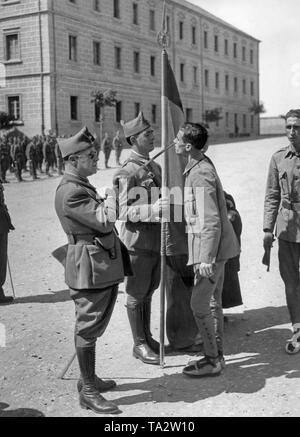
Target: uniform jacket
[[211, 237], [5, 221], [89, 263], [282, 199], [138, 231]]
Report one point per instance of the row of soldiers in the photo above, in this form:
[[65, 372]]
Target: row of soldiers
[[19, 154]]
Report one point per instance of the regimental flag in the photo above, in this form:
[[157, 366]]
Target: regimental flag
[[175, 237]]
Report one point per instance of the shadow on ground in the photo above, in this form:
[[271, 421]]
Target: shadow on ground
[[20, 412], [256, 350]]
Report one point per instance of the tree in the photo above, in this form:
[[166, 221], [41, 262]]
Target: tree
[[5, 120], [213, 115], [101, 99], [257, 108]]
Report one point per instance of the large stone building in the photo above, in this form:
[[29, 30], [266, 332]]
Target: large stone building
[[54, 53]]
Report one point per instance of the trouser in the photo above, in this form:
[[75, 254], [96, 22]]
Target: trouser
[[206, 305], [289, 257], [3, 257], [145, 280], [4, 166], [118, 155], [19, 167], [93, 310], [106, 156], [32, 169], [181, 327]]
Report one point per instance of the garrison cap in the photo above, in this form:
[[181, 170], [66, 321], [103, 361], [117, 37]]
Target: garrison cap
[[136, 126], [81, 141]]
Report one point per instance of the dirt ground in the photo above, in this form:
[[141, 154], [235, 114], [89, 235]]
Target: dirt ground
[[260, 378]]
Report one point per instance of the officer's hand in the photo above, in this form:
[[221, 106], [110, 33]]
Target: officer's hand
[[110, 205], [268, 240]]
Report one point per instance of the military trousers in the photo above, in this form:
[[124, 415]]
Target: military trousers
[[93, 310], [4, 166], [3, 257], [289, 261], [145, 280], [206, 303]]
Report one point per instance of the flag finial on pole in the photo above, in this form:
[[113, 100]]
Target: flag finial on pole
[[163, 36]]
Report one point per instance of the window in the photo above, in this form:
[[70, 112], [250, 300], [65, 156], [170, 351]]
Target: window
[[216, 43], [118, 112], [251, 56], [168, 23], [118, 60], [97, 53], [244, 121], [206, 78], [72, 1], [135, 18], [227, 119], [72, 48], [97, 112], [96, 5], [226, 47], [217, 81], [74, 107], [13, 104], [116, 8], [236, 124], [235, 85], [180, 29], [152, 19], [182, 72], [195, 74], [137, 108], [226, 82], [244, 54], [154, 114], [152, 65], [252, 88], [12, 46], [136, 62], [205, 39], [235, 50], [244, 86], [189, 115], [193, 35], [252, 122]]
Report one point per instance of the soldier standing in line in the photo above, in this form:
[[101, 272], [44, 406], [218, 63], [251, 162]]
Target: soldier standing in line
[[4, 158], [117, 146], [93, 266], [31, 156], [17, 157], [106, 148], [140, 232], [59, 159], [39, 153], [48, 155], [5, 227]]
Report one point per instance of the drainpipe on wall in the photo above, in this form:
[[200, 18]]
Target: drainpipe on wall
[[202, 68], [42, 69], [54, 69]]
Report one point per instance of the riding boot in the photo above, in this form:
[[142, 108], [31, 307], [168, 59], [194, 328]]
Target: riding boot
[[89, 397], [5, 299], [153, 344], [141, 350]]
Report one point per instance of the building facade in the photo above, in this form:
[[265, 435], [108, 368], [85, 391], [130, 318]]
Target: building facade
[[54, 53]]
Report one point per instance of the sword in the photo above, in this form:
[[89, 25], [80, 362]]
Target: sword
[[11, 280]]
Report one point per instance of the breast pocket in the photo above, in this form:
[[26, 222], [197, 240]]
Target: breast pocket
[[284, 184]]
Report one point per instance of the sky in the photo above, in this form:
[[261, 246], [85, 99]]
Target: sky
[[276, 23]]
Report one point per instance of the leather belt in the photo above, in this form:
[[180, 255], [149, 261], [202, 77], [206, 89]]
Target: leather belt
[[294, 206], [81, 238]]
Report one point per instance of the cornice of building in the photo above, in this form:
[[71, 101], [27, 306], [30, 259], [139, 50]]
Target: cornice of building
[[183, 4]]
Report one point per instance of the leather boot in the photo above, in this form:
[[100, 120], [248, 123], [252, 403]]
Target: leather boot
[[153, 344], [101, 386], [89, 397], [4, 300], [141, 350]]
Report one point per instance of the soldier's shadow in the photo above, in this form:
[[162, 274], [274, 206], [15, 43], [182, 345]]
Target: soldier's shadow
[[251, 360], [53, 297], [20, 412]]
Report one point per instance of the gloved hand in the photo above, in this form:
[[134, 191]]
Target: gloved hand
[[268, 240]]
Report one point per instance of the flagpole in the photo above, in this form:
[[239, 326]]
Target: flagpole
[[163, 42]]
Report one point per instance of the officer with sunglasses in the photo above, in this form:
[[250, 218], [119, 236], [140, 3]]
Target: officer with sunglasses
[[93, 264], [282, 208]]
